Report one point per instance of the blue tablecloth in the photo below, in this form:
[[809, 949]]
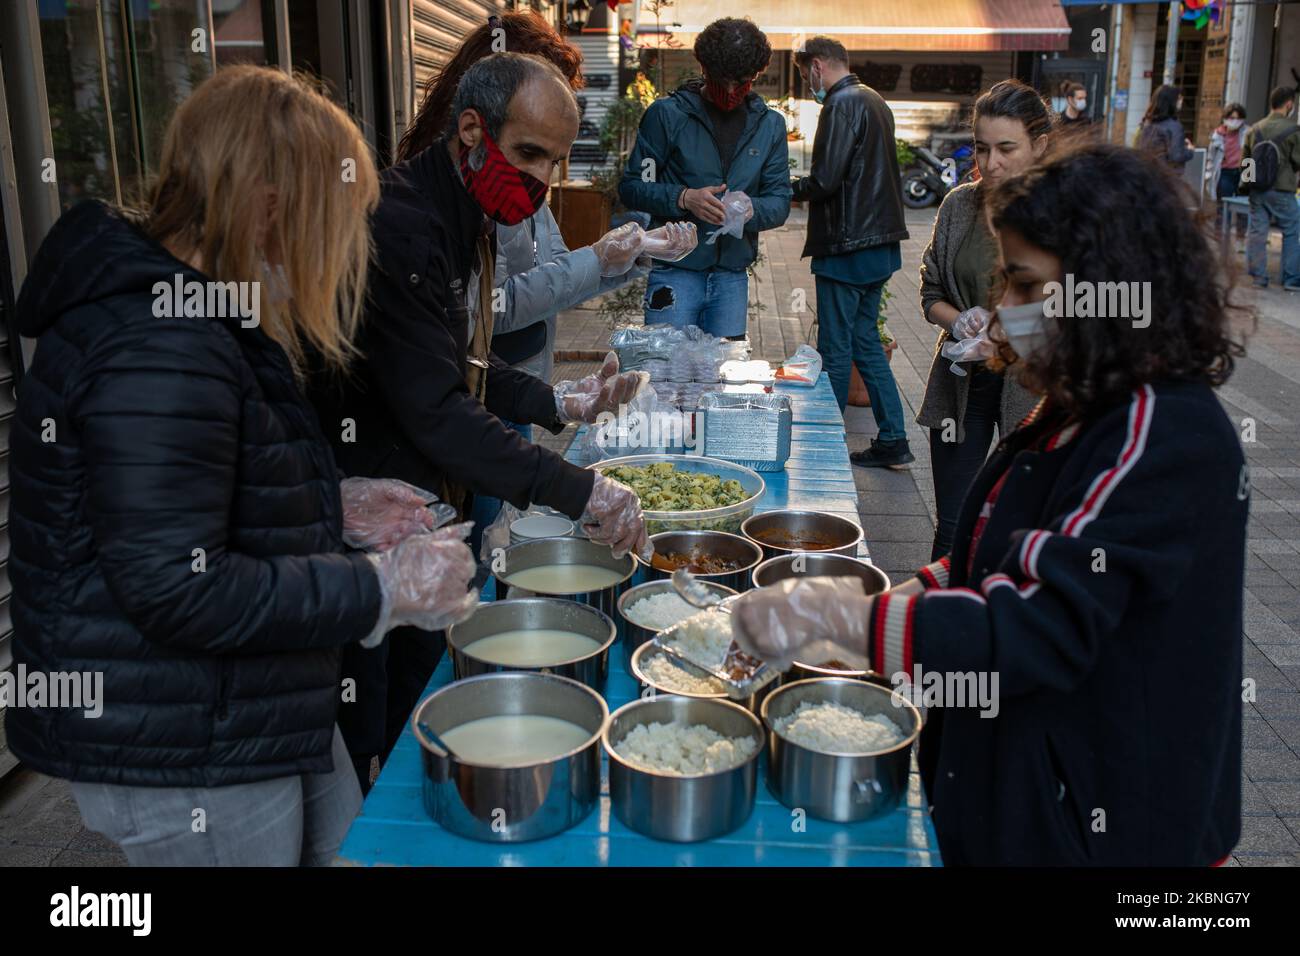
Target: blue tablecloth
[[393, 828]]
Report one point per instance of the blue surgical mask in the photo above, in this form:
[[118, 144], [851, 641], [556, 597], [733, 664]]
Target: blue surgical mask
[[818, 95]]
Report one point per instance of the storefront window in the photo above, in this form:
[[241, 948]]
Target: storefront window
[[115, 70], [239, 27]]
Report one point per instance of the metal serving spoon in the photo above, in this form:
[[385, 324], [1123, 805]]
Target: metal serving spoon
[[693, 590]]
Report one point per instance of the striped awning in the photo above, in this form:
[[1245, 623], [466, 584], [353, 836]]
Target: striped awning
[[932, 25]]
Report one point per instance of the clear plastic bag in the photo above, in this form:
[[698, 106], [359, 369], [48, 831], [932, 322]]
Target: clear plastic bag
[[977, 348], [803, 368], [737, 209], [648, 425]]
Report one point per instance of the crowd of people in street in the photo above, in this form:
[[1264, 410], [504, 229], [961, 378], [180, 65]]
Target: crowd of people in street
[[236, 520]]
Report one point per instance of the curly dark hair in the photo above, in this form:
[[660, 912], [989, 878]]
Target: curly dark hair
[[1112, 215], [732, 49]]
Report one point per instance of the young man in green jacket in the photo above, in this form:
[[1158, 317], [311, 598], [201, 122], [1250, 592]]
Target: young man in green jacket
[[1276, 204], [711, 137]]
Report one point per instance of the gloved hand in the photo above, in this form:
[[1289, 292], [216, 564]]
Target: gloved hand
[[617, 249], [672, 241], [425, 582], [970, 323], [812, 620], [977, 348], [585, 399], [613, 517], [380, 512]]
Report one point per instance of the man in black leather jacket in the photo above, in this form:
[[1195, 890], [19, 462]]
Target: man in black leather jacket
[[855, 223]]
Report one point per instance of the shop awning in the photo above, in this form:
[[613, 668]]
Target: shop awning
[[934, 25]]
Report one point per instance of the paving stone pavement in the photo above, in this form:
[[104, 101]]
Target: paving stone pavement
[[40, 825]]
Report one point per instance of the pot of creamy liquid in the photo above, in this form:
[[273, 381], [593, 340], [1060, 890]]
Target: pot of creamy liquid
[[546, 635], [524, 759], [574, 569]]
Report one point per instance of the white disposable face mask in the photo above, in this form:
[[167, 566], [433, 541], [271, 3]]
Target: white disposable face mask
[[1233, 124], [1080, 105], [1025, 327]]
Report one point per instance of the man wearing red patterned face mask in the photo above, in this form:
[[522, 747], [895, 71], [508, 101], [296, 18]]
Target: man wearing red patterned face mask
[[425, 400]]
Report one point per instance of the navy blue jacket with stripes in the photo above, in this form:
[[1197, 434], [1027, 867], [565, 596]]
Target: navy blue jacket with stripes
[[1106, 593]]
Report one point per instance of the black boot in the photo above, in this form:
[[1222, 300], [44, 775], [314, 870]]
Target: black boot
[[884, 454]]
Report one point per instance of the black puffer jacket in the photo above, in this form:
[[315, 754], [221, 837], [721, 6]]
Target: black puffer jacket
[[171, 435], [854, 190]]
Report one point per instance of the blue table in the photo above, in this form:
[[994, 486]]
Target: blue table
[[393, 828]]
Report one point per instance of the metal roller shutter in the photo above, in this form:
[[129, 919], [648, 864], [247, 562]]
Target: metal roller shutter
[[437, 29], [600, 67]]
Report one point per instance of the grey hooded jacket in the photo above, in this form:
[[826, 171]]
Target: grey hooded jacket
[[540, 277]]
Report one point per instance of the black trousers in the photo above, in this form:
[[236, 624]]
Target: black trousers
[[389, 681], [956, 464]]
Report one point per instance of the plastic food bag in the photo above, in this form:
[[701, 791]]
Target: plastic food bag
[[977, 348], [671, 242], [737, 209], [647, 426], [803, 368], [497, 534]]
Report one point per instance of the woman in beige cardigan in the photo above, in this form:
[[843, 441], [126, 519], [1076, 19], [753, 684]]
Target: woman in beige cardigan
[[964, 401]]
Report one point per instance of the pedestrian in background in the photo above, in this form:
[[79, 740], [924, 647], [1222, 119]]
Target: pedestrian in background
[[1075, 116], [711, 137], [1223, 158], [1274, 145], [855, 223], [1161, 133]]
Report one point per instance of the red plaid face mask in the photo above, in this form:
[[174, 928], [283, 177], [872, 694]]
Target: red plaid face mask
[[503, 191], [718, 95]]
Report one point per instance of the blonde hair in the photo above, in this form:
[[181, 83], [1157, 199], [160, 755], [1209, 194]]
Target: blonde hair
[[250, 129]]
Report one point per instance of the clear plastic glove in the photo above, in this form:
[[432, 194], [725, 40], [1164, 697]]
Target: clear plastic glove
[[970, 323], [425, 582], [671, 242], [613, 517], [380, 512], [618, 249], [586, 399], [811, 620], [737, 210], [977, 348]]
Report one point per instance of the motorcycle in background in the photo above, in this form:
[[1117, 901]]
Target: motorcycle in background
[[926, 183]]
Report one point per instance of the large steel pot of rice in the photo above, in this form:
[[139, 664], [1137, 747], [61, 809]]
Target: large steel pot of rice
[[844, 787], [682, 809], [527, 800]]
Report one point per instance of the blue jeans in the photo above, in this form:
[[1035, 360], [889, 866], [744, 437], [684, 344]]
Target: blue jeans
[[288, 821], [716, 300], [1274, 208], [847, 335]]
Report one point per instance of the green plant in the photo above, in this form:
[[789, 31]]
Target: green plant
[[623, 305], [906, 157]]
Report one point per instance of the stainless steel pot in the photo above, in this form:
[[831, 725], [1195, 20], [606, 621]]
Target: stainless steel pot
[[682, 809], [510, 804], [817, 564], [533, 614], [840, 787], [842, 534], [645, 651], [719, 544], [543, 552], [633, 634]]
